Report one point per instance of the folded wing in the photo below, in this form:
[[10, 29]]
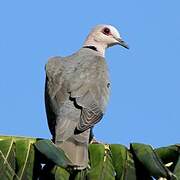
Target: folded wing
[[89, 90]]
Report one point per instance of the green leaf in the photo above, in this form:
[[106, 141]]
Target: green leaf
[[149, 159], [53, 172], [177, 169], [7, 159], [101, 163], [168, 154], [56, 155], [6, 173], [19, 160], [61, 174], [7, 148], [14, 138], [19, 157], [123, 162], [25, 155], [79, 175]]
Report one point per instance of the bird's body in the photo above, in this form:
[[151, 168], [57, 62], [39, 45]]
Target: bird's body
[[76, 95]]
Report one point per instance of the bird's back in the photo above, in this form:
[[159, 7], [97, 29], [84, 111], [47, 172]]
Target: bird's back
[[75, 75], [76, 95], [77, 92]]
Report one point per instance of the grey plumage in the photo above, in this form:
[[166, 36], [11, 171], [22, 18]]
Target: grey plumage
[[77, 91]]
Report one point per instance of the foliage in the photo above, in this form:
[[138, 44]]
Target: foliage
[[23, 158]]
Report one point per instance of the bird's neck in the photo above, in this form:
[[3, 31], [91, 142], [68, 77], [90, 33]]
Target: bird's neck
[[100, 47]]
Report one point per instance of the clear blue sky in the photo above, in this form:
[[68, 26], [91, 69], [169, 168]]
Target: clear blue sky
[[145, 80]]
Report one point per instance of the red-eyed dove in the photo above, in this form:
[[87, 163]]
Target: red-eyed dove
[[77, 92]]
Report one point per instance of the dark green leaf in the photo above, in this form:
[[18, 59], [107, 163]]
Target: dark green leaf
[[123, 163], [149, 159], [79, 175], [168, 154], [53, 172], [53, 153], [177, 169], [61, 174]]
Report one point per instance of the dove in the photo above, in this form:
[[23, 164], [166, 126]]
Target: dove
[[77, 90]]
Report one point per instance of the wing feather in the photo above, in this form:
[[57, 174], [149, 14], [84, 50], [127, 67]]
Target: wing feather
[[92, 79], [86, 81]]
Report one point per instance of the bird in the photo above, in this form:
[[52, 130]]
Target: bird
[[77, 89]]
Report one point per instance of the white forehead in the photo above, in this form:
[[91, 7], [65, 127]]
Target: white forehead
[[113, 30]]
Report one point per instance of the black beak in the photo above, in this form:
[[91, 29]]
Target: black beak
[[122, 43]]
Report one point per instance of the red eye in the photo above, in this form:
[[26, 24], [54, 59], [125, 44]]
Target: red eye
[[106, 31]]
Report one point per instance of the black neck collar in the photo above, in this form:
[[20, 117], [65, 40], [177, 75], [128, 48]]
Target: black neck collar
[[91, 47]]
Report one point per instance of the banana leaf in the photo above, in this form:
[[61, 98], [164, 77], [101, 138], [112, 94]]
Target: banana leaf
[[25, 158], [56, 155], [123, 162], [101, 163], [150, 160], [17, 158], [168, 154], [177, 169], [7, 159], [22, 158]]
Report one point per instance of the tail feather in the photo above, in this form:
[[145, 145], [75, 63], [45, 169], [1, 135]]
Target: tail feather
[[77, 152]]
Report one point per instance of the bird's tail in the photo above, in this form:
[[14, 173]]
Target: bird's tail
[[77, 152]]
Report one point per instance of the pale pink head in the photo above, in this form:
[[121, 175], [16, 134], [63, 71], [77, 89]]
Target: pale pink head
[[104, 36]]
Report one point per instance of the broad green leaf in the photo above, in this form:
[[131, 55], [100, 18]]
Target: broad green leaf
[[119, 155], [19, 160], [22, 152], [123, 162], [149, 159], [7, 149], [6, 172], [129, 173], [101, 163], [19, 154], [25, 155], [168, 154], [53, 153], [7, 159]]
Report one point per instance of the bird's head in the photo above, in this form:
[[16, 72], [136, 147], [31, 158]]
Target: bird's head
[[104, 36]]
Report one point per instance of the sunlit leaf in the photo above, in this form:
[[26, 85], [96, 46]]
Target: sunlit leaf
[[20, 160], [7, 159], [123, 163], [101, 163]]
